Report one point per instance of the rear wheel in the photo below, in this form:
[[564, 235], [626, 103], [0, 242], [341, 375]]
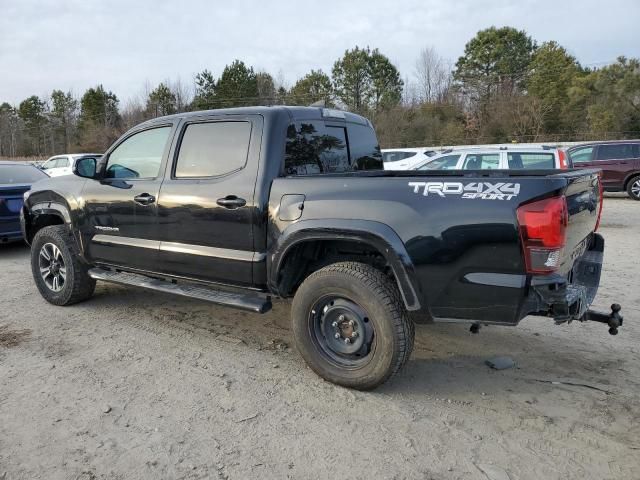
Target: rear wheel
[[633, 188], [350, 325], [60, 276]]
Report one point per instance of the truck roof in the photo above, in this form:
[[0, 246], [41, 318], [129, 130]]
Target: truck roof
[[293, 112]]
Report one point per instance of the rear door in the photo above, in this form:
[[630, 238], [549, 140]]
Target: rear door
[[206, 206], [615, 160]]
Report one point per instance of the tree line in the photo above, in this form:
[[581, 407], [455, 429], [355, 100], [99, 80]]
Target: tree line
[[504, 88]]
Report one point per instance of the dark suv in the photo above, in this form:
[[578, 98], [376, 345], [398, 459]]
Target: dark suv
[[619, 161]]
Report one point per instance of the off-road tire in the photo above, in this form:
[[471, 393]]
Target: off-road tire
[[634, 184], [78, 285], [371, 290]]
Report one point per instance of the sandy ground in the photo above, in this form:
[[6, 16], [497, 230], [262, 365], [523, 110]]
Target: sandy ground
[[133, 384]]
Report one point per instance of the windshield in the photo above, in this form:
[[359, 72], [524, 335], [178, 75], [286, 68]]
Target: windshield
[[20, 174], [396, 156]]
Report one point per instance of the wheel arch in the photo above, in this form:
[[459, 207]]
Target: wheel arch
[[370, 235], [630, 177], [40, 214]]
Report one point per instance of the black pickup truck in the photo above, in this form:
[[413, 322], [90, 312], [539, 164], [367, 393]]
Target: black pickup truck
[[236, 206]]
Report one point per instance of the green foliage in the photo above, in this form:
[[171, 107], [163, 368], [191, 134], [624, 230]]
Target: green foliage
[[161, 101], [552, 70], [63, 113], [386, 85], [366, 80], [236, 86], [266, 89], [205, 91], [495, 61], [99, 107], [313, 87], [506, 89]]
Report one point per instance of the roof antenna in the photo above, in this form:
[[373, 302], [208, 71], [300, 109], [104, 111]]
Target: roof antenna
[[319, 103]]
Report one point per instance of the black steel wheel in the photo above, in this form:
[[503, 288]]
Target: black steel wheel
[[350, 325], [341, 331]]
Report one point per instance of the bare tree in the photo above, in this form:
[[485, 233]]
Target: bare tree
[[433, 75], [183, 93]]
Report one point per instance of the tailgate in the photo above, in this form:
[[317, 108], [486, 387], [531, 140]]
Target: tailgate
[[584, 202]]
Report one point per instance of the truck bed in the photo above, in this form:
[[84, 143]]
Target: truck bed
[[459, 228]]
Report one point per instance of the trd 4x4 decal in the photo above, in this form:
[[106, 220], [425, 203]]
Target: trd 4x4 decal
[[480, 190]]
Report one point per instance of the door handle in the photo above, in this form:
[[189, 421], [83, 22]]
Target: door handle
[[144, 199], [231, 202]]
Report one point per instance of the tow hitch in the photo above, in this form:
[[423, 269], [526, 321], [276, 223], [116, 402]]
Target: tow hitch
[[613, 319]]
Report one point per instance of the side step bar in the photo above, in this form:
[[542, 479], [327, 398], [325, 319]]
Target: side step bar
[[244, 301]]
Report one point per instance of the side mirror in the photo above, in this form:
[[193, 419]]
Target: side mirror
[[85, 167]]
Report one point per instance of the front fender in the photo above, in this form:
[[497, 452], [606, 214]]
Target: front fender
[[378, 235]]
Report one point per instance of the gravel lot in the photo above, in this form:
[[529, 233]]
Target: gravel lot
[[133, 384]]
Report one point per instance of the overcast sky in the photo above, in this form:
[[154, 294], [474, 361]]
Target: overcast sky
[[72, 45]]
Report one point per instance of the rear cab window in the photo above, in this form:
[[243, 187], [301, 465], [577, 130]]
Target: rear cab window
[[316, 147]]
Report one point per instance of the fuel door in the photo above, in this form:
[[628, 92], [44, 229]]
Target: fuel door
[[291, 207]]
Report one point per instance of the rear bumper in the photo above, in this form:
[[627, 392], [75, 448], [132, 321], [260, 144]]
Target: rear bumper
[[10, 229], [567, 298]]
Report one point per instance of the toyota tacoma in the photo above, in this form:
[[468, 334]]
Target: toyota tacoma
[[241, 205]]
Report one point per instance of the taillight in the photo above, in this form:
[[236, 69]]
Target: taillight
[[543, 229], [562, 158], [600, 199]]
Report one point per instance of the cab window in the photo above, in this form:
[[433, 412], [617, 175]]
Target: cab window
[[313, 148], [139, 156]]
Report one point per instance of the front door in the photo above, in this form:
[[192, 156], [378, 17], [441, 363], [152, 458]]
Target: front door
[[120, 221], [206, 208]]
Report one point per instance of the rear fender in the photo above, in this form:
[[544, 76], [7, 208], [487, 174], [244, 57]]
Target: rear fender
[[374, 234]]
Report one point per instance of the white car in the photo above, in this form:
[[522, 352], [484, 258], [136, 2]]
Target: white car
[[404, 158], [519, 158], [63, 164]]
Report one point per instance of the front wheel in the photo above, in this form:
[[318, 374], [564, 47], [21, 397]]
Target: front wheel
[[350, 325], [633, 188], [60, 276]]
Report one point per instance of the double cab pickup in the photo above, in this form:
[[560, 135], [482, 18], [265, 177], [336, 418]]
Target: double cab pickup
[[241, 205]]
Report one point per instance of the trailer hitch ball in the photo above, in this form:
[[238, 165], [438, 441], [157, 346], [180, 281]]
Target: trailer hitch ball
[[615, 319]]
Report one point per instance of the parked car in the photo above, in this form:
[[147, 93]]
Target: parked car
[[404, 158], [618, 160], [63, 164], [518, 158], [235, 206], [15, 179]]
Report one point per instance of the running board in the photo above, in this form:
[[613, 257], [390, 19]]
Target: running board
[[244, 301]]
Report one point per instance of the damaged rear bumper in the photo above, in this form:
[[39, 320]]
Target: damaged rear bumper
[[568, 298]]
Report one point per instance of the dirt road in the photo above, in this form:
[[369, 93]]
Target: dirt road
[[133, 385]]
